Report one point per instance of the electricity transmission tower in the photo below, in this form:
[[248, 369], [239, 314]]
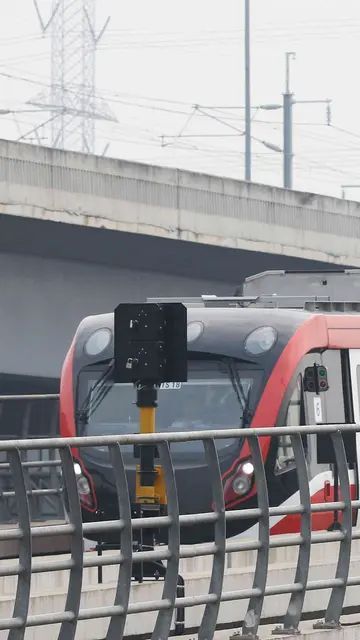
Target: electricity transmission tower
[[72, 102]]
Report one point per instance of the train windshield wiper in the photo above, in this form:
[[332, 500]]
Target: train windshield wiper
[[96, 394], [243, 398]]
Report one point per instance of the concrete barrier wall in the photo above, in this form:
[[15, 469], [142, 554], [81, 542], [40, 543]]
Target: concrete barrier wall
[[49, 591], [86, 190]]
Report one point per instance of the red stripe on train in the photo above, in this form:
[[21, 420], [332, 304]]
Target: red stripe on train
[[319, 521]]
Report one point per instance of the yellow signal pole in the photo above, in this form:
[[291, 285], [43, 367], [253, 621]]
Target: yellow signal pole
[[150, 484]]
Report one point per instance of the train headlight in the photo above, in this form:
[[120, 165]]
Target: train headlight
[[241, 485], [85, 492], [247, 468], [98, 342], [242, 482], [260, 340], [83, 486]]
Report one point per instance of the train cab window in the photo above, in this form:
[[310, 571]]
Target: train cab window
[[285, 456], [219, 394], [305, 407]]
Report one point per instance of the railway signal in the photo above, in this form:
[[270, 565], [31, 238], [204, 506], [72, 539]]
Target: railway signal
[[150, 348], [316, 379]]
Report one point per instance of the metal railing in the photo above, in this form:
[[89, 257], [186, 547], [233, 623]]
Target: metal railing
[[173, 551], [31, 416]]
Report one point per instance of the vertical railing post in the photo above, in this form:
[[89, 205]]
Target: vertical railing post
[[22, 597], [164, 618], [117, 623], [68, 629], [253, 614], [334, 608], [294, 610], [208, 622]]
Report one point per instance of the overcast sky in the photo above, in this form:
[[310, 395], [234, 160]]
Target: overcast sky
[[159, 58]]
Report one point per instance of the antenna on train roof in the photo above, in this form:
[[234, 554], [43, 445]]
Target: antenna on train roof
[[340, 285], [327, 291]]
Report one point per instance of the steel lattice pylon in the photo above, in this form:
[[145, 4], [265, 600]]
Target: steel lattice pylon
[[72, 101]]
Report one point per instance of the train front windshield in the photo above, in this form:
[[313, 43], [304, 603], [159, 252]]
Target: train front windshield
[[218, 395]]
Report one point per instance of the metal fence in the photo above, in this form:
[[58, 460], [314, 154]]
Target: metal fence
[[31, 416], [173, 551]]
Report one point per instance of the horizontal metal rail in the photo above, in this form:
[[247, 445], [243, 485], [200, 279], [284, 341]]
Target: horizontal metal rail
[[174, 436], [187, 520], [124, 526], [33, 492], [33, 464], [30, 396]]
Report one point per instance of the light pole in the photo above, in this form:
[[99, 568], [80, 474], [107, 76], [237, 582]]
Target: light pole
[[247, 94], [287, 106], [288, 101]]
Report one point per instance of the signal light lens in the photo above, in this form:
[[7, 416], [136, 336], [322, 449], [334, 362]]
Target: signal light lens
[[260, 340]]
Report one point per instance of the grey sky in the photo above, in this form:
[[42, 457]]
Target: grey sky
[[160, 52]]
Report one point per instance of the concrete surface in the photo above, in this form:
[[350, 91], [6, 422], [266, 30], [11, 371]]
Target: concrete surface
[[90, 191], [48, 592], [351, 632]]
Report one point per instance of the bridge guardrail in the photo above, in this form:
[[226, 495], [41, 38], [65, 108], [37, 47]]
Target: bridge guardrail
[[25, 416], [173, 551]]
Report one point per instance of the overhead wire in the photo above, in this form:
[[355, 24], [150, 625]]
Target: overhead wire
[[163, 106], [307, 165]]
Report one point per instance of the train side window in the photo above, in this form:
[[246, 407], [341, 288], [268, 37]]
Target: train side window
[[333, 407], [334, 400], [285, 460]]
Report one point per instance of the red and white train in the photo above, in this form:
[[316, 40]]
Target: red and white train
[[250, 362]]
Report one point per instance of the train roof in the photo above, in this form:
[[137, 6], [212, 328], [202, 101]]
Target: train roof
[[283, 300], [314, 291]]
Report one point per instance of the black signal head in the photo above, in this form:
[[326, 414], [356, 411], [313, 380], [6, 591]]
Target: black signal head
[[150, 343]]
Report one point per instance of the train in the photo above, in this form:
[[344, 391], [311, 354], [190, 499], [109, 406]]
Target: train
[[254, 360]]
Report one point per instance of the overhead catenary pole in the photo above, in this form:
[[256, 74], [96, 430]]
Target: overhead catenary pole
[[247, 94], [288, 101], [287, 107]]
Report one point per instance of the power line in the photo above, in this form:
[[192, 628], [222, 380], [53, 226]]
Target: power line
[[350, 133], [80, 92], [327, 168]]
